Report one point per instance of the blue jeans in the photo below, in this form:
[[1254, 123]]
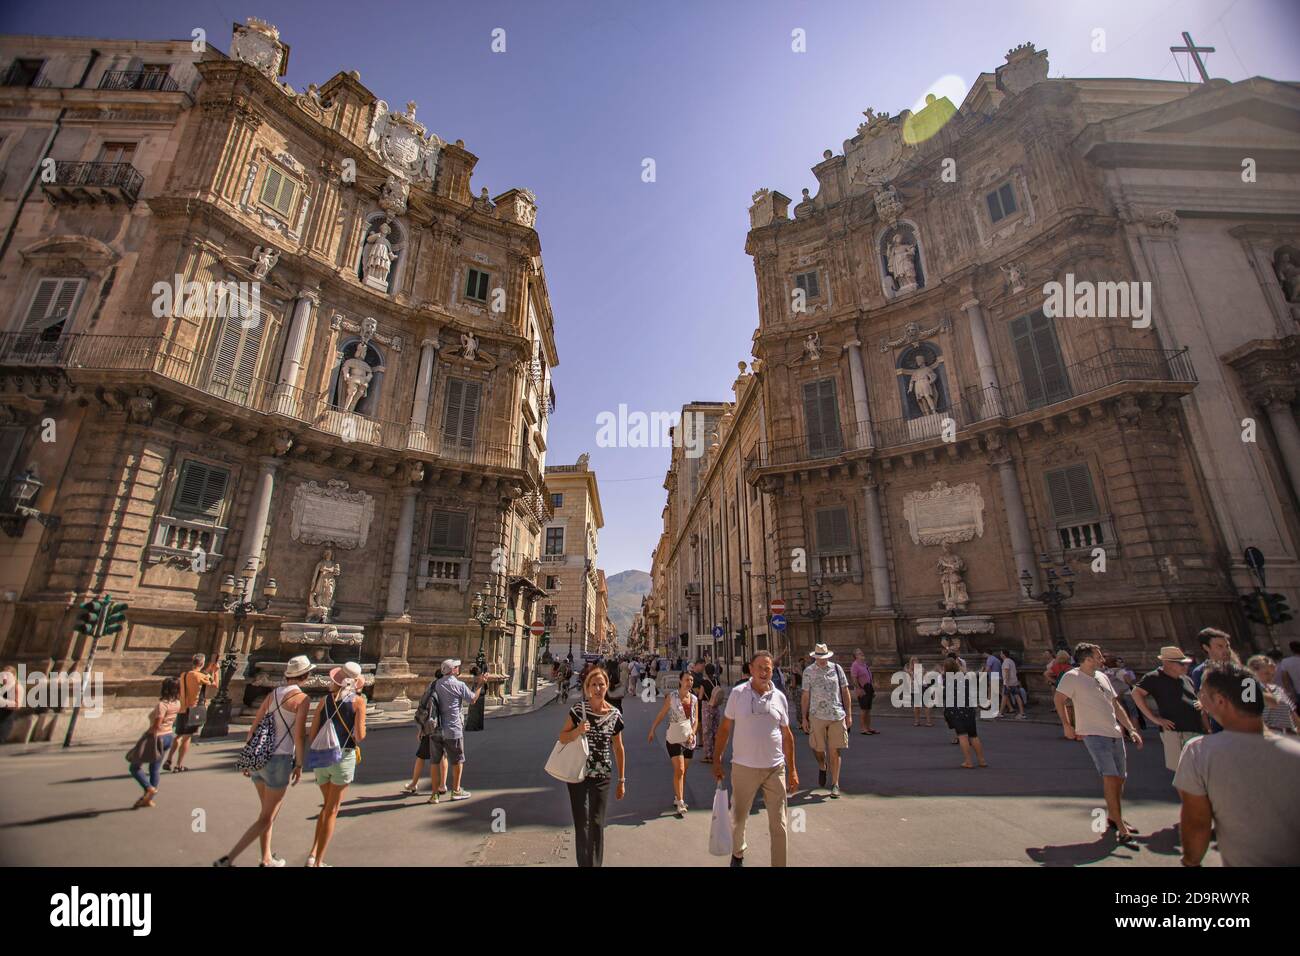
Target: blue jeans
[[164, 745]]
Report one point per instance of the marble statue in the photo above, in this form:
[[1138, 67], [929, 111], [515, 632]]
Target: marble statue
[[902, 263], [356, 374], [923, 384], [323, 583], [1288, 276], [469, 345], [379, 256], [951, 569], [1015, 276], [264, 260], [812, 346]]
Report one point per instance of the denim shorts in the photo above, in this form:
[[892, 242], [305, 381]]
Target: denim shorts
[[340, 774], [1108, 755], [275, 774]]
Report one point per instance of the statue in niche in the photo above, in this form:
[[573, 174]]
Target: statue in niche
[[469, 346], [812, 346], [1288, 277], [923, 384], [264, 260], [1015, 277], [379, 257], [901, 256], [320, 604], [356, 375], [951, 569]]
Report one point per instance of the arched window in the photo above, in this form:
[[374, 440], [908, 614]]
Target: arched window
[[381, 232], [358, 378]]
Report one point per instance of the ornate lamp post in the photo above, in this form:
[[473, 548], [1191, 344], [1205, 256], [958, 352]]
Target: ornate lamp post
[[571, 629], [1053, 597], [487, 607], [234, 600], [818, 609]]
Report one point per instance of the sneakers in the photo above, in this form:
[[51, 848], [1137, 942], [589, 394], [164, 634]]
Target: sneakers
[[410, 789], [835, 791], [275, 861], [224, 861], [737, 861], [679, 809], [1020, 716], [461, 795], [821, 778]]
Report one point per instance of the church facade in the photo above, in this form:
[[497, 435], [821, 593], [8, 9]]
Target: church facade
[[265, 348], [998, 390]]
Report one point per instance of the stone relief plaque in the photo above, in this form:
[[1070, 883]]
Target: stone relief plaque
[[944, 514], [332, 514]]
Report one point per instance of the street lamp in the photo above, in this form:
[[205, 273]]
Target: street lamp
[[1053, 597], [487, 607], [820, 607], [23, 489], [571, 629], [234, 600]]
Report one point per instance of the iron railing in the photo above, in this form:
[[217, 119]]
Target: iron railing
[[148, 80], [98, 176]]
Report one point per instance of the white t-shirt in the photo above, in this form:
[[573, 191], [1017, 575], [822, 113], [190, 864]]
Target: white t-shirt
[[1094, 703], [1252, 781], [757, 722], [1009, 676], [1289, 665]]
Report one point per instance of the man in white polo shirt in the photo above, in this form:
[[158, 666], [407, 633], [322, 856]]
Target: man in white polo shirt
[[762, 756]]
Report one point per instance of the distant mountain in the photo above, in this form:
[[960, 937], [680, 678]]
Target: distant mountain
[[625, 592]]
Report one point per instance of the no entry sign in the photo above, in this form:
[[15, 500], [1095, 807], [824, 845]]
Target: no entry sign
[[778, 606], [538, 628]]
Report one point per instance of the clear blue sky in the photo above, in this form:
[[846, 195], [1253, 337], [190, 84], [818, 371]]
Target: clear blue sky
[[653, 294]]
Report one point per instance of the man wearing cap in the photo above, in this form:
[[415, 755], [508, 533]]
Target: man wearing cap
[[1178, 716], [453, 694], [826, 705]]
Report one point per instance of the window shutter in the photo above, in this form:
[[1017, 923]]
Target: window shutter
[[814, 291], [832, 530], [41, 303], [200, 490], [812, 412], [288, 190], [469, 414], [452, 413], [55, 301], [1029, 374], [1070, 492], [482, 285], [1008, 197], [822, 417], [271, 186], [1052, 368]]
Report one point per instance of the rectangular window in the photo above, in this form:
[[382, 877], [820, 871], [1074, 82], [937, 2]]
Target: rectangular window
[[1078, 520], [821, 416], [447, 532], [476, 285], [557, 500], [1002, 202], [200, 490], [1042, 370], [833, 530], [24, 73], [116, 153], [278, 191], [52, 305], [460, 416], [550, 616], [555, 541], [551, 580], [238, 351], [808, 282]]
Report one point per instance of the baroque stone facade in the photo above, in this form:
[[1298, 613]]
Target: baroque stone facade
[[915, 393], [263, 322]]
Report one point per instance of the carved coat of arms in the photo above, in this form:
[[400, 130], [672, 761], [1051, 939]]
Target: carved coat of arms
[[402, 144]]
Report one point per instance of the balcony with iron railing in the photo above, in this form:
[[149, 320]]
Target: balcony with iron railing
[[179, 365], [1012, 404], [94, 182], [156, 81]]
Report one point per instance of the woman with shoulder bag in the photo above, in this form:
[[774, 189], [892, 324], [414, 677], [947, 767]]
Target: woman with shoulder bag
[[155, 742], [682, 709], [344, 711], [602, 725]]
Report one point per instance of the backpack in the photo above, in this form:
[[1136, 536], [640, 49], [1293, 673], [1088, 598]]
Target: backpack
[[428, 716], [260, 746]]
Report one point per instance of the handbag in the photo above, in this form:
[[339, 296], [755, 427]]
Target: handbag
[[146, 750], [720, 825], [260, 746], [568, 762], [681, 731], [196, 715]]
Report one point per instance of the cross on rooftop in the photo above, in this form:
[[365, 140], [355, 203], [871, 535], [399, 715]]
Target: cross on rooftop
[[1196, 52]]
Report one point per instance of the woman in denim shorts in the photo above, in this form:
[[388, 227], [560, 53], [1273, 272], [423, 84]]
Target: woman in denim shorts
[[346, 709]]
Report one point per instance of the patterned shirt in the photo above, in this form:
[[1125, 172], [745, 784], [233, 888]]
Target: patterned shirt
[[822, 684], [600, 762]]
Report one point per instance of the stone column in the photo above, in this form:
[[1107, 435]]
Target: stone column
[[876, 548], [259, 511], [991, 403], [1287, 433], [286, 400], [1022, 544], [861, 407], [423, 389], [401, 571]]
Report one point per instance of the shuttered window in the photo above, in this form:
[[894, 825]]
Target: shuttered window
[[833, 530], [447, 532], [238, 351], [808, 282], [476, 285], [821, 415], [1069, 490], [200, 490], [116, 153], [1042, 371], [1001, 202], [460, 418], [278, 191], [54, 302], [555, 541]]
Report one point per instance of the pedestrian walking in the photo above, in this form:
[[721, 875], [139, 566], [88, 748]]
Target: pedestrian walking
[[709, 722], [866, 689], [762, 756], [345, 711], [1177, 713], [825, 706], [682, 708], [288, 706], [1279, 706], [962, 718], [602, 725], [1012, 692], [453, 696], [1216, 647], [428, 726], [912, 688], [1124, 681], [1102, 724], [1240, 783], [194, 684], [155, 742]]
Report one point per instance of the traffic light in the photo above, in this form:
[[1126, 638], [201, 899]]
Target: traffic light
[[116, 617], [1278, 611], [1250, 604], [88, 619]]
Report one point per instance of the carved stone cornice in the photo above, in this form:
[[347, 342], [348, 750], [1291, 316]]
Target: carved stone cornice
[[1269, 369]]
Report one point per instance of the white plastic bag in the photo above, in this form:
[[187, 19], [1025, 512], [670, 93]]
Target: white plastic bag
[[720, 826]]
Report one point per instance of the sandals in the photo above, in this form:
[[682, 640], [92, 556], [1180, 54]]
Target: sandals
[[409, 790]]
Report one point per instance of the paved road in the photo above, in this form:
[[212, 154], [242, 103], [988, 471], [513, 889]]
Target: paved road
[[906, 802]]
